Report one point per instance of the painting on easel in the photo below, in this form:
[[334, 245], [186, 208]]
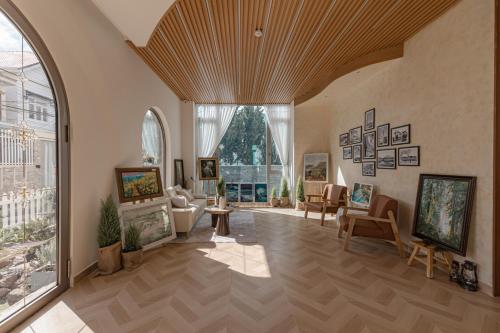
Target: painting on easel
[[136, 184]]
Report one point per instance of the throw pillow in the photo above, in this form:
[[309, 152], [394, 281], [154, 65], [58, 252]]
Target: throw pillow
[[171, 192], [179, 201]]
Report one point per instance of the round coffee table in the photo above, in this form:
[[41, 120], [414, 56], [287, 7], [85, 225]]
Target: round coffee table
[[220, 219]]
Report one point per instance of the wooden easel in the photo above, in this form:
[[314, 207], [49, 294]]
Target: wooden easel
[[435, 257]]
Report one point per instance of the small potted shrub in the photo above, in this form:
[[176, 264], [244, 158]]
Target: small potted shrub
[[284, 193], [299, 195], [109, 234], [132, 252], [221, 192], [274, 200]]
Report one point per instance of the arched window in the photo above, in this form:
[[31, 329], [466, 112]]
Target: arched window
[[34, 181], [153, 142]]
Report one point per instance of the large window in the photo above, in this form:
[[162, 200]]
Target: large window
[[153, 142], [33, 240]]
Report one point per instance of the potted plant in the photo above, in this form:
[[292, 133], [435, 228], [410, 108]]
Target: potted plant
[[221, 192], [299, 195], [109, 233], [274, 200], [132, 252], [284, 193]]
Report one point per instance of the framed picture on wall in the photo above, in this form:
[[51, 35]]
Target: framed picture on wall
[[355, 135], [208, 168], [179, 172], [386, 159], [347, 153], [370, 119], [409, 156], [135, 184], [383, 138], [246, 192], [356, 154], [232, 192], [316, 167], [400, 135], [344, 139], [368, 169], [369, 145]]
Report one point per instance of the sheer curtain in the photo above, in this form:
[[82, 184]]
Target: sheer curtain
[[279, 118], [152, 140]]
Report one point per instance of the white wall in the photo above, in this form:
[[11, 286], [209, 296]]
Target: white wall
[[443, 87], [109, 89]]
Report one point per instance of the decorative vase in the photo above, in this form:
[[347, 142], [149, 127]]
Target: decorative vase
[[110, 260], [285, 202], [222, 202], [299, 205], [275, 202], [132, 260]]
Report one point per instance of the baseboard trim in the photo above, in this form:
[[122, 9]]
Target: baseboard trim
[[86, 272]]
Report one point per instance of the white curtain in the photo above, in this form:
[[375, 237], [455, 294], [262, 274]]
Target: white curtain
[[212, 123], [279, 118], [152, 140]]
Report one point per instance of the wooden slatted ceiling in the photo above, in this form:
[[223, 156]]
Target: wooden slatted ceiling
[[206, 50]]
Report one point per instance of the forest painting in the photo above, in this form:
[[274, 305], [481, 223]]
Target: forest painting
[[443, 210]]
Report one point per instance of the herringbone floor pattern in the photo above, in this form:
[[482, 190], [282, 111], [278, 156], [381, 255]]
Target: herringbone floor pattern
[[296, 279]]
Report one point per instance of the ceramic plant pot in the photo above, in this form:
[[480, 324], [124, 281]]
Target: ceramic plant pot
[[110, 259]]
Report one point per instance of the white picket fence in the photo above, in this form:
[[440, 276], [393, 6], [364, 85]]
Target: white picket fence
[[15, 210], [11, 150]]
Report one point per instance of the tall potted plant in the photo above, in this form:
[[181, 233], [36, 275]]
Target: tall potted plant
[[109, 233], [275, 202], [221, 192], [284, 193], [132, 251], [299, 195]]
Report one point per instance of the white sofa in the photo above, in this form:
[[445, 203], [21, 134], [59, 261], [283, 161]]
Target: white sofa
[[185, 218]]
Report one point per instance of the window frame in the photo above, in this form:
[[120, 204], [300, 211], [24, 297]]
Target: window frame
[[163, 158]]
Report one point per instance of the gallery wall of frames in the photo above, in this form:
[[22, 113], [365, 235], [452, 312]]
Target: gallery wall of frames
[[379, 147]]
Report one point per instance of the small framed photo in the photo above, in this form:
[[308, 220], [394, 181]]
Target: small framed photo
[[347, 153], [368, 169], [370, 119], [369, 145], [356, 153], [409, 156], [355, 134], [344, 139], [209, 168], [400, 135], [383, 135], [386, 159]]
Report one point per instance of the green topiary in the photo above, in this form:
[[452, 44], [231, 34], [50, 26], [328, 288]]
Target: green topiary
[[284, 188], [299, 193], [132, 239], [221, 187], [109, 231], [273, 193]]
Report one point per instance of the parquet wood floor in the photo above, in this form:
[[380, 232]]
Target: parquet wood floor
[[295, 279]]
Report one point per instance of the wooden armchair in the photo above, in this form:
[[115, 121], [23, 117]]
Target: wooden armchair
[[380, 222], [332, 198]]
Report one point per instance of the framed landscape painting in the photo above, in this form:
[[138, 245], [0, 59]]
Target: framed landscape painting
[[356, 154], [246, 192], [347, 153], [368, 169], [232, 192], [383, 138], [443, 211], [370, 119], [355, 135], [400, 135], [316, 167], [344, 139], [135, 184], [153, 219], [386, 159], [260, 192], [409, 156]]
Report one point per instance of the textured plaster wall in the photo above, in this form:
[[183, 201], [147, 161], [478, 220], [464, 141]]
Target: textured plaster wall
[[109, 89], [443, 87]]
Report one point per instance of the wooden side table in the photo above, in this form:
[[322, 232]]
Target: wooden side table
[[220, 219]]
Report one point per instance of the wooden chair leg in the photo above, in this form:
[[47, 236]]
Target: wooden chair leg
[[323, 212], [415, 252], [306, 211], [341, 228], [349, 234]]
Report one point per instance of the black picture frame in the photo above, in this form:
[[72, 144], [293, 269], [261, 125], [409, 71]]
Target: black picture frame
[[370, 119], [406, 140], [347, 153], [401, 151], [385, 163], [344, 139], [369, 139], [371, 172], [179, 172], [355, 158], [208, 168], [386, 139], [422, 206], [356, 132]]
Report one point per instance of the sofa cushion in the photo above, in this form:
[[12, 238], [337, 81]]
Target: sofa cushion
[[171, 192], [179, 201]]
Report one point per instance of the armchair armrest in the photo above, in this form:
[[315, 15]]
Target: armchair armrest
[[309, 196], [199, 196], [355, 208], [368, 218]]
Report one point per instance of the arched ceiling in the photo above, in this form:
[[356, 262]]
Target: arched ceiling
[[206, 50]]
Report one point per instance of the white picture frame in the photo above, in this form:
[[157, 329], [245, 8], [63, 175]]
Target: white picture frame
[[316, 168], [148, 217], [361, 195]]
